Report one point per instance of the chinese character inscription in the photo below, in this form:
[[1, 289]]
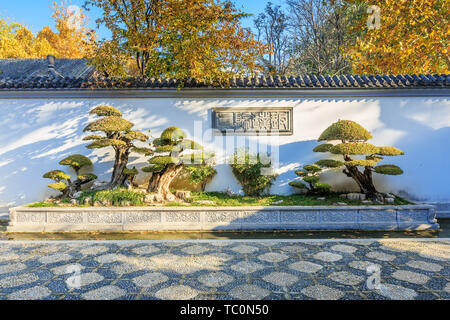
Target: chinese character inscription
[[252, 121]]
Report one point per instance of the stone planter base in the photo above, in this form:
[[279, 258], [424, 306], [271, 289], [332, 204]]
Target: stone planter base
[[411, 217]]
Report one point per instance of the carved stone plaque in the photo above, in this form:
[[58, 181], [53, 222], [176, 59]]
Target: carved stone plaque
[[252, 121]]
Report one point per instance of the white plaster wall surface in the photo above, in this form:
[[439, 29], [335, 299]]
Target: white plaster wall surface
[[35, 134]]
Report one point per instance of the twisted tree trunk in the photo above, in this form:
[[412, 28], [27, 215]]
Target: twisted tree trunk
[[160, 181], [120, 163], [364, 181]]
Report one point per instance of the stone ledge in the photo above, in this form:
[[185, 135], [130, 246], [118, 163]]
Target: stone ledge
[[409, 217]]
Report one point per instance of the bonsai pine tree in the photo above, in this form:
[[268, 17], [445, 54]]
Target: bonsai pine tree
[[353, 142], [311, 175], [117, 134], [171, 153], [63, 182]]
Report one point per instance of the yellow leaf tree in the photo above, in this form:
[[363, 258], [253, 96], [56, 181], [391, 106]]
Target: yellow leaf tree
[[73, 39], [412, 38], [202, 39], [17, 42]]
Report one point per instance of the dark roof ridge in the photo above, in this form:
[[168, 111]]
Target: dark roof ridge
[[312, 81]]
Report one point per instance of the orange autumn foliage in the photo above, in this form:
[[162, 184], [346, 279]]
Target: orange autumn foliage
[[413, 38], [72, 39]]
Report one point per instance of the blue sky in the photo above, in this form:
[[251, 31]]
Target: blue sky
[[36, 14]]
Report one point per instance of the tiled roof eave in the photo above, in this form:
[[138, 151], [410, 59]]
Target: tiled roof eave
[[343, 82]]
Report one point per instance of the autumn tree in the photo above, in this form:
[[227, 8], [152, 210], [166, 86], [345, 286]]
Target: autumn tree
[[353, 142], [63, 182], [273, 29], [202, 39], [172, 152], [320, 31], [17, 42], [118, 134], [73, 39], [412, 37]]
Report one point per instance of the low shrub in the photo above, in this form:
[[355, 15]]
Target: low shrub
[[115, 197], [247, 168], [201, 174], [322, 188]]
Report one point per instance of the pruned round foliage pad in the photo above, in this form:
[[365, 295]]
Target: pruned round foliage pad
[[345, 130], [56, 175], [312, 168], [106, 143], [323, 147], [87, 177], [190, 144], [144, 151], [390, 151], [130, 172], [388, 169], [297, 184], [374, 158], [106, 111], [153, 168], [159, 142], [136, 135], [311, 179], [301, 173], [173, 134], [165, 148], [164, 160], [329, 163], [362, 163], [356, 148], [60, 186], [76, 161], [93, 137], [109, 124]]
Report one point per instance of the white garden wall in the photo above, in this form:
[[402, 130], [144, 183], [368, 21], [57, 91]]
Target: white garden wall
[[36, 133]]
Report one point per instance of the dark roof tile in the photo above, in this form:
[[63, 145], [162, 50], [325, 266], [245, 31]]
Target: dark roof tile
[[309, 81]]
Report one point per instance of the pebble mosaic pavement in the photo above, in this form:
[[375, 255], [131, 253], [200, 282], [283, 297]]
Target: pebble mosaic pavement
[[250, 269]]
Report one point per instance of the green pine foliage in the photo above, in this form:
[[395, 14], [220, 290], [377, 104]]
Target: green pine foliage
[[117, 133], [345, 130], [329, 163], [76, 162], [173, 151], [311, 175], [388, 169], [63, 182], [353, 142], [297, 184]]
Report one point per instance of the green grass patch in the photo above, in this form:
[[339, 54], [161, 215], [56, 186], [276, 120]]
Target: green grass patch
[[122, 197], [42, 204], [222, 199], [116, 197]]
